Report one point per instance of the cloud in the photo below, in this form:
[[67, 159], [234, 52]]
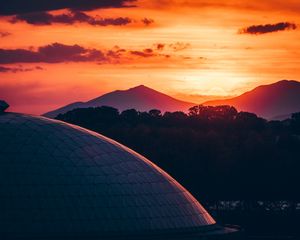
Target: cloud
[[4, 34], [61, 53], [179, 46], [147, 21], [175, 47], [13, 7], [18, 69], [159, 46], [72, 17], [148, 52], [53, 53], [268, 28]]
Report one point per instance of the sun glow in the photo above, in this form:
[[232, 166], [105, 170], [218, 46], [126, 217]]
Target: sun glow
[[189, 50]]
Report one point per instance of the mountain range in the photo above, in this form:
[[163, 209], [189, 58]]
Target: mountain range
[[140, 98], [274, 101]]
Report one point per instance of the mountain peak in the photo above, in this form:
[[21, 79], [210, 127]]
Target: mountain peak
[[276, 99], [287, 81], [283, 82], [141, 98], [139, 88]]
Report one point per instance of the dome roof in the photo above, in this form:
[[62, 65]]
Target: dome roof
[[60, 180]]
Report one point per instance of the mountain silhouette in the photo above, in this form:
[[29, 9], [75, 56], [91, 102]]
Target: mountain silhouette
[[141, 98], [273, 101]]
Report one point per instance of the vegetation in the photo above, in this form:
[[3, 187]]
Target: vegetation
[[215, 152]]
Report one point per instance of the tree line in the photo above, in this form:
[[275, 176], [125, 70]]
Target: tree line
[[215, 152]]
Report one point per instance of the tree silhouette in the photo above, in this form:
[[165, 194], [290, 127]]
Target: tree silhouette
[[216, 152]]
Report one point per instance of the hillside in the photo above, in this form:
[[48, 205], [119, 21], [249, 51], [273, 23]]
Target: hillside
[[278, 99], [141, 98]]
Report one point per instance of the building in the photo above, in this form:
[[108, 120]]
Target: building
[[60, 181]]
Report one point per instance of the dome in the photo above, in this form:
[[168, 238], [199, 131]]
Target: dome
[[60, 181]]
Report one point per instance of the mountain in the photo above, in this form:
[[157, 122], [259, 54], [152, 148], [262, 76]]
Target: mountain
[[140, 98], [269, 101], [282, 117]]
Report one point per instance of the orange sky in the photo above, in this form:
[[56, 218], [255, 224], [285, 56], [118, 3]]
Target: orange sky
[[202, 53]]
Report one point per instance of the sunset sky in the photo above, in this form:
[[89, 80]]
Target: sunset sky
[[56, 52]]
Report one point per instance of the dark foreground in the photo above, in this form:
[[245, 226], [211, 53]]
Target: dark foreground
[[260, 220], [217, 153]]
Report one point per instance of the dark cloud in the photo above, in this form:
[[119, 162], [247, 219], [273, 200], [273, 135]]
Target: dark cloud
[[61, 53], [160, 46], [45, 18], [13, 7], [4, 34], [39, 68], [18, 69], [148, 52], [141, 53], [147, 21], [53, 53], [178, 46], [268, 28], [116, 53]]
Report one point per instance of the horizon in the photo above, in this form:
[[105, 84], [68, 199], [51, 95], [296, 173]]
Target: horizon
[[150, 119], [51, 56], [208, 98]]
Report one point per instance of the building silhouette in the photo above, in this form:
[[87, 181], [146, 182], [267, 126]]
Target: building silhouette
[[60, 181]]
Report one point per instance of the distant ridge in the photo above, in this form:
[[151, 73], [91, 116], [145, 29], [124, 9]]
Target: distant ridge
[[273, 101], [141, 98]]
